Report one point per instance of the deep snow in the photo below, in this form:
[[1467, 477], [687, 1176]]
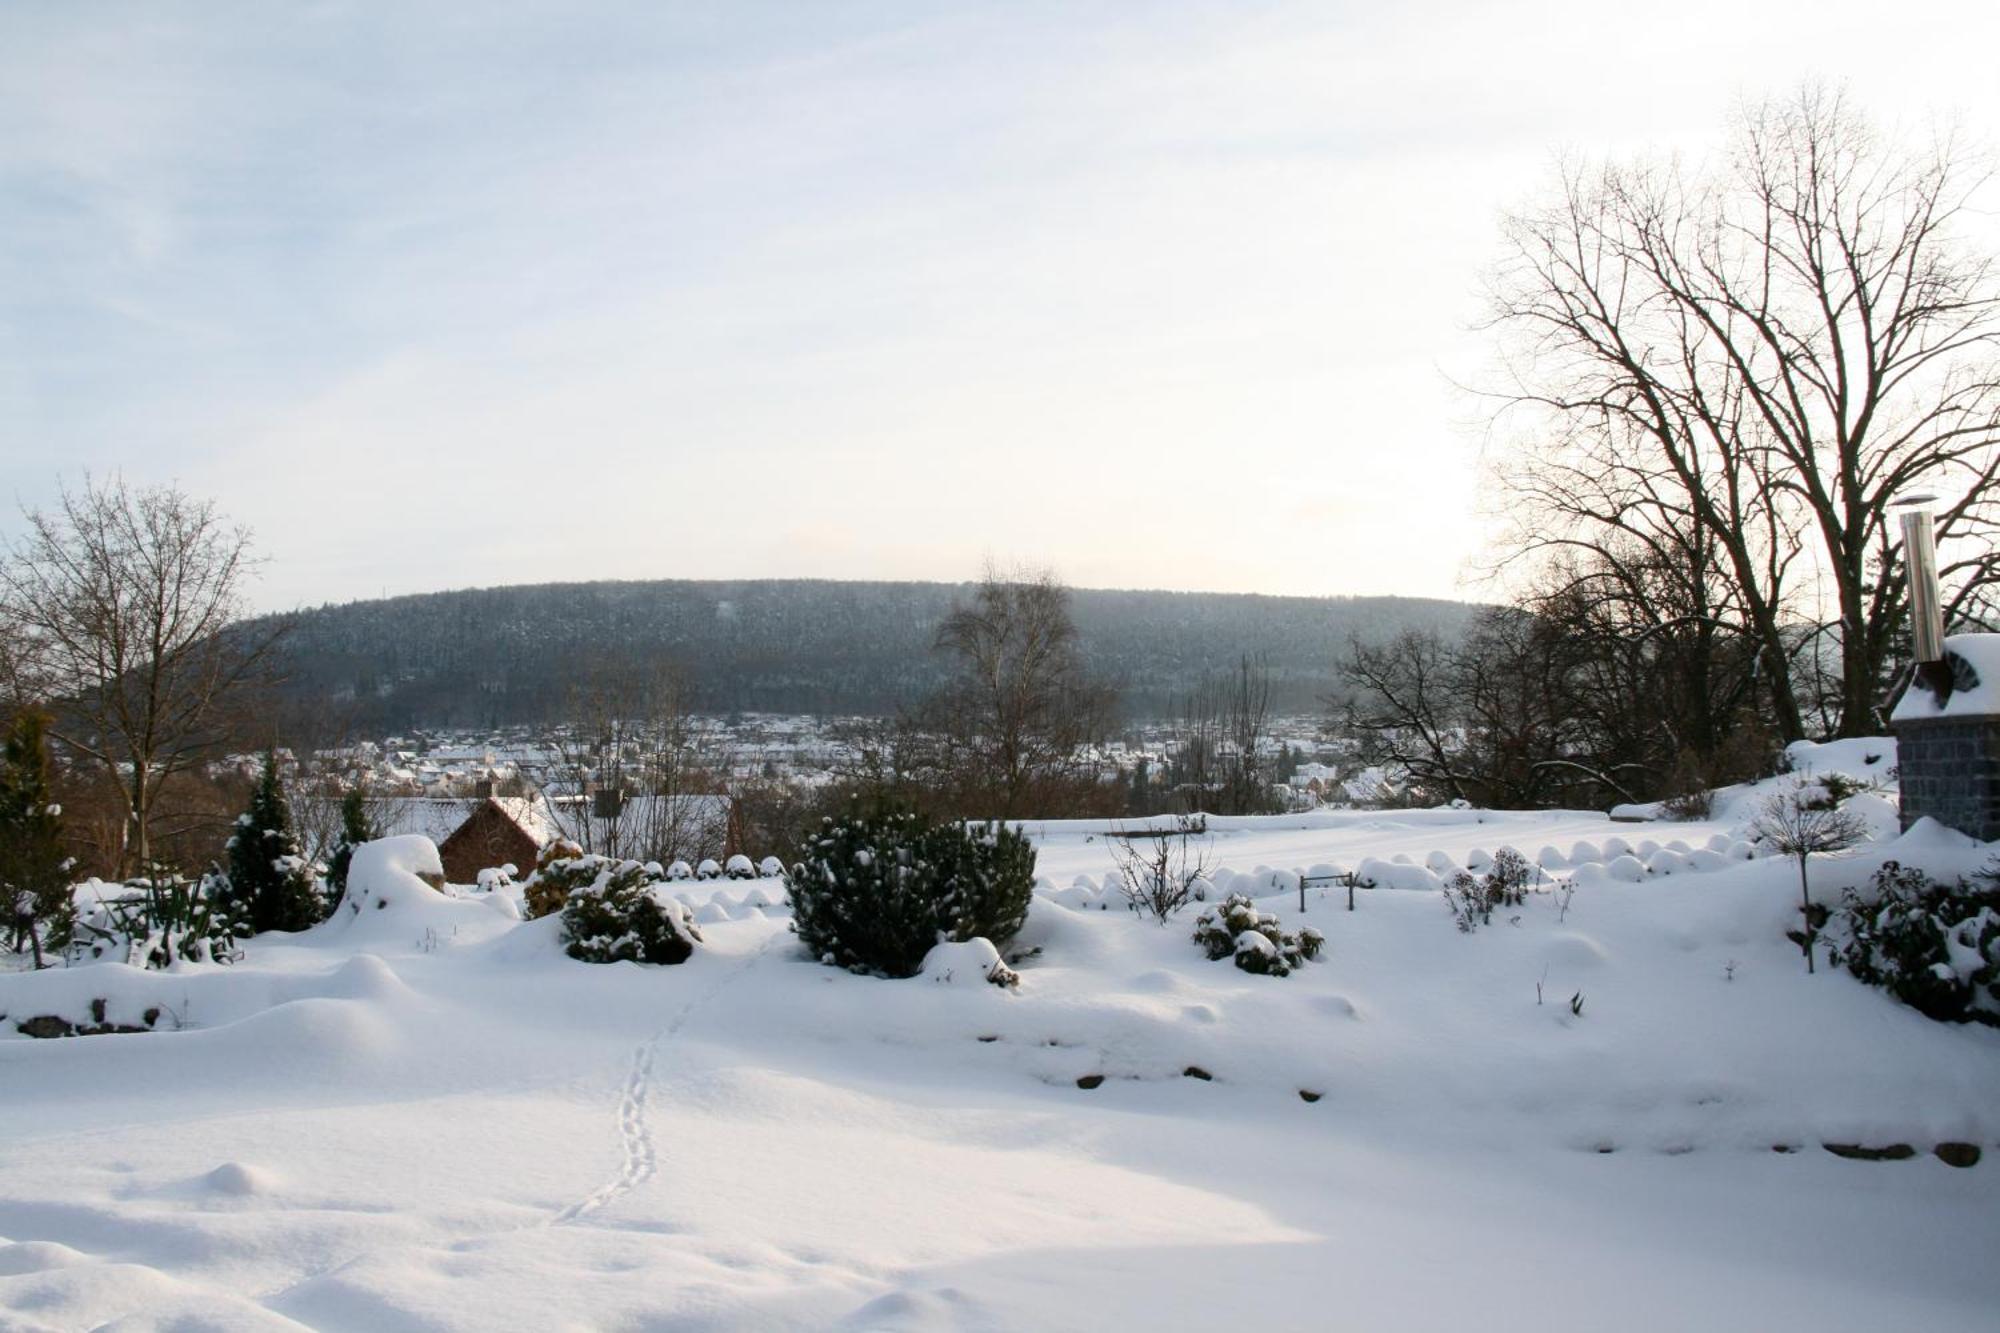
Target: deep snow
[[425, 1116]]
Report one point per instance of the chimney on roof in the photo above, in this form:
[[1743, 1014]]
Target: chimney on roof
[[1926, 605]]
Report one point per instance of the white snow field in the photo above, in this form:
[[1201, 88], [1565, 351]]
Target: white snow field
[[427, 1117]]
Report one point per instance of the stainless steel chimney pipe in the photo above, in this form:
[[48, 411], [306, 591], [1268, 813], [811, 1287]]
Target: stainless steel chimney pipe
[[1926, 604], [1920, 559]]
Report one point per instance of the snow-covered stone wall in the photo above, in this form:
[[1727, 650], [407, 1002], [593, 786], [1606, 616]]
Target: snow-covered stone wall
[[1948, 750]]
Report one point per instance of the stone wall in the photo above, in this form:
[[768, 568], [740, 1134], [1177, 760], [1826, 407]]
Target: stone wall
[[1950, 770]]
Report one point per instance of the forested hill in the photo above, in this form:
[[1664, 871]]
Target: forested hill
[[500, 656]]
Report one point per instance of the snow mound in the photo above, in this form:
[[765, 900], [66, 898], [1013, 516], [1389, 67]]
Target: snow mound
[[38, 1256], [1625, 868], [239, 1180], [970, 963], [1377, 873], [389, 873]]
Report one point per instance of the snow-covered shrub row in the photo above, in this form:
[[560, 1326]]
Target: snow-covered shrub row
[[1082, 895], [723, 906], [874, 893], [1934, 946], [1236, 929], [1615, 860]]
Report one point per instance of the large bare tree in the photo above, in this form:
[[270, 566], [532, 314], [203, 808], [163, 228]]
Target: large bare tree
[[123, 601], [639, 768], [1767, 351], [1014, 723], [1220, 734]]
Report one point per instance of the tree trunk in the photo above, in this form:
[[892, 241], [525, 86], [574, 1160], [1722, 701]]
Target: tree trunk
[[138, 859], [1805, 898]]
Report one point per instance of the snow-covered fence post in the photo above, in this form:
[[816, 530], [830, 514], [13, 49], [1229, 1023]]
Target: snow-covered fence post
[[1304, 880]]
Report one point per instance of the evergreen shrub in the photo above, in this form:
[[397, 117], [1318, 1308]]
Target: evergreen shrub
[[873, 892], [1934, 946]]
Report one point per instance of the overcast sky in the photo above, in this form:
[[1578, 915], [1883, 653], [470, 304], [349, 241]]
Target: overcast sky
[[1159, 295]]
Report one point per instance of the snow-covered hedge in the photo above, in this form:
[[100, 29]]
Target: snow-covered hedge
[[875, 893]]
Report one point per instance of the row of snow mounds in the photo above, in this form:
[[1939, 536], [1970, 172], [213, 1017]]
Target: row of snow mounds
[[758, 898], [1324, 820], [1614, 861]]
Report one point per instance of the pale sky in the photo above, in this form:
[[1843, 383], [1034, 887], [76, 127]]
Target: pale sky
[[1158, 295]]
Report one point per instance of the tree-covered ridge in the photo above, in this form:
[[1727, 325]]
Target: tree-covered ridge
[[498, 656]]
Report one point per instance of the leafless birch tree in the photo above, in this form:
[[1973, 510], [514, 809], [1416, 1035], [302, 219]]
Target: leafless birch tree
[[123, 599]]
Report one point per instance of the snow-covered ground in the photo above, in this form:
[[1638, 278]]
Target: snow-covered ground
[[427, 1117]]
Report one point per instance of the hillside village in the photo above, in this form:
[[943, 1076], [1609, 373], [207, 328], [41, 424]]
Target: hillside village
[[431, 783]]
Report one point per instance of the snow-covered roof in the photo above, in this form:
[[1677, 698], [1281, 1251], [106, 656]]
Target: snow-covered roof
[[1975, 663], [533, 816], [437, 818], [579, 820]]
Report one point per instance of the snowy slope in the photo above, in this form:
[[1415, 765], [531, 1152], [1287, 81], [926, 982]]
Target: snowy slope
[[427, 1117]]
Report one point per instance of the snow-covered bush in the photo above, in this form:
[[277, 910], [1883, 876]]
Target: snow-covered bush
[[612, 910], [1236, 929], [771, 868], [874, 893], [1474, 898], [680, 870], [558, 869], [739, 866], [624, 914], [708, 869], [156, 922], [1935, 947]]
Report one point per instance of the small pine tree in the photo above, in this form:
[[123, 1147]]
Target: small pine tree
[[271, 885], [34, 872], [355, 828]]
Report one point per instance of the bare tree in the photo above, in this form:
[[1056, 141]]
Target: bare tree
[[1767, 353], [1219, 738], [637, 770], [1800, 822], [124, 598], [1015, 723], [1158, 868]]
